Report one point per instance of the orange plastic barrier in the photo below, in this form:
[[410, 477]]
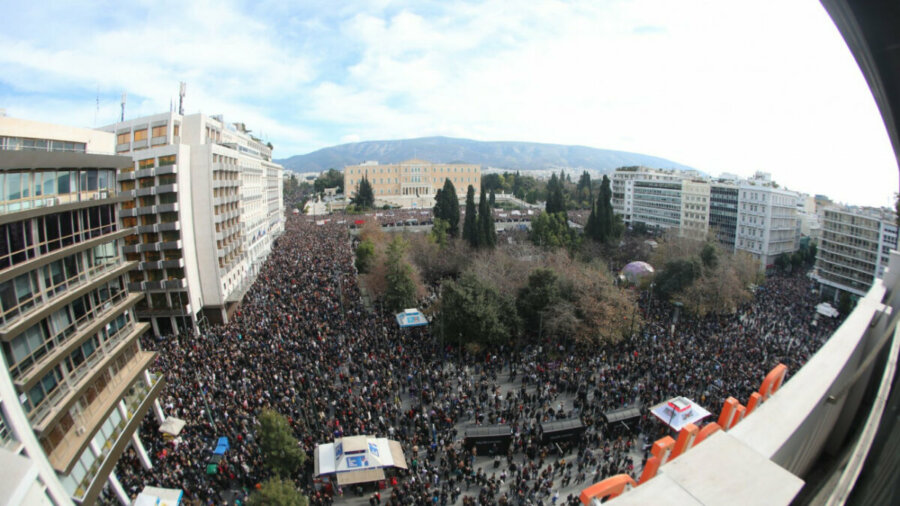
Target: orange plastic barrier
[[608, 488], [728, 410], [773, 381], [707, 431], [685, 440], [755, 400]]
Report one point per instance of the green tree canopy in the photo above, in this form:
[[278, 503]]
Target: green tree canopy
[[487, 235], [676, 276], [329, 179], [551, 231], [541, 292], [473, 311], [401, 288], [280, 450], [470, 225], [365, 255], [446, 207], [277, 492], [365, 198]]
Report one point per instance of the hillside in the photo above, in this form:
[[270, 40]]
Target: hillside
[[503, 155]]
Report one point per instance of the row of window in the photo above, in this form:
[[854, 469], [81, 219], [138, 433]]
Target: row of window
[[16, 186], [28, 144], [141, 134]]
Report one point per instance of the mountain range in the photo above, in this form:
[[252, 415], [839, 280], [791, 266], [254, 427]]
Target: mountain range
[[500, 155]]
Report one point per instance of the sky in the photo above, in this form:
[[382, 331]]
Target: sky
[[719, 85]]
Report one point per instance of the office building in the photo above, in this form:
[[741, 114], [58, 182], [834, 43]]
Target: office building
[[767, 224], [695, 206], [723, 212], [658, 192], [74, 381], [207, 203], [855, 248]]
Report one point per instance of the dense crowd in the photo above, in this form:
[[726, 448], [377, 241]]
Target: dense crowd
[[302, 343]]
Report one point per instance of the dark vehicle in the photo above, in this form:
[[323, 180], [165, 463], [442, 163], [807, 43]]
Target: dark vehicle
[[488, 440], [560, 431]]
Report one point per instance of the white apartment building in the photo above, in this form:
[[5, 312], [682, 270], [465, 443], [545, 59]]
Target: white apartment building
[[75, 383], [854, 250], [207, 202], [767, 224], [658, 195], [695, 205]]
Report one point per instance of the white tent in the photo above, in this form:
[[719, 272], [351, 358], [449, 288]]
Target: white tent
[[357, 459], [172, 426], [678, 412], [155, 496], [825, 309]]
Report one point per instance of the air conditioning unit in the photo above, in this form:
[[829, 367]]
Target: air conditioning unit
[[79, 431]]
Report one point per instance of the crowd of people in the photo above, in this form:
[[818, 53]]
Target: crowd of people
[[303, 344]]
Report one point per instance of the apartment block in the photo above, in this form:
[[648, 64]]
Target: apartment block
[[767, 224], [695, 206], [854, 249], [659, 195], [411, 178], [207, 203], [75, 383], [723, 212]]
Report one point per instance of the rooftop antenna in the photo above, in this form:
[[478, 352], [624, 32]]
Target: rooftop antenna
[[181, 89], [97, 108], [124, 97]]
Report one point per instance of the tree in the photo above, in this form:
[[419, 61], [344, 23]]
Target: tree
[[592, 227], [470, 225], [541, 292], [492, 182], [492, 200], [555, 201], [487, 235], [550, 230], [439, 232], [401, 288], [446, 207], [782, 261], [280, 450], [329, 179], [845, 304], [605, 215], [277, 492], [583, 190], [473, 311], [709, 256], [365, 254], [676, 276], [365, 198]]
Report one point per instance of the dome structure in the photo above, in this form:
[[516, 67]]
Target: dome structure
[[635, 271]]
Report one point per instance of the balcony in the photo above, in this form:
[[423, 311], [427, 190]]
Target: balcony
[[70, 390], [138, 396], [83, 329], [167, 208]]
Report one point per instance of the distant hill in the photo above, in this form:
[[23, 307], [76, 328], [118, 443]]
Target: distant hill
[[503, 155]]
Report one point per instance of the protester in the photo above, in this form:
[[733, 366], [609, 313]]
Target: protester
[[303, 344]]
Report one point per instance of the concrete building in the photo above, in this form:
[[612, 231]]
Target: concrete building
[[400, 182], [723, 212], [207, 201], [74, 381], [855, 248], [658, 204], [767, 224], [695, 207]]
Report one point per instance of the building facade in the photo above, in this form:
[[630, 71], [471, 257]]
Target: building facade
[[207, 201], [695, 209], [854, 249], [412, 178], [767, 223], [74, 381], [723, 212]]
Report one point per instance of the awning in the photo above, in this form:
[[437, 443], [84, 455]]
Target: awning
[[397, 454], [172, 426], [155, 496], [365, 476]]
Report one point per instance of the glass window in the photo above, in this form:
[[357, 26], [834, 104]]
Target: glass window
[[13, 186], [123, 138], [159, 131], [140, 135]]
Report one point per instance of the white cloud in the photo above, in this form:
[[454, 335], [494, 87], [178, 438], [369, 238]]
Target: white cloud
[[722, 86]]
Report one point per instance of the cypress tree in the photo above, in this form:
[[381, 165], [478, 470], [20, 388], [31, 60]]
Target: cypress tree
[[470, 225], [446, 207], [607, 214], [487, 236]]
